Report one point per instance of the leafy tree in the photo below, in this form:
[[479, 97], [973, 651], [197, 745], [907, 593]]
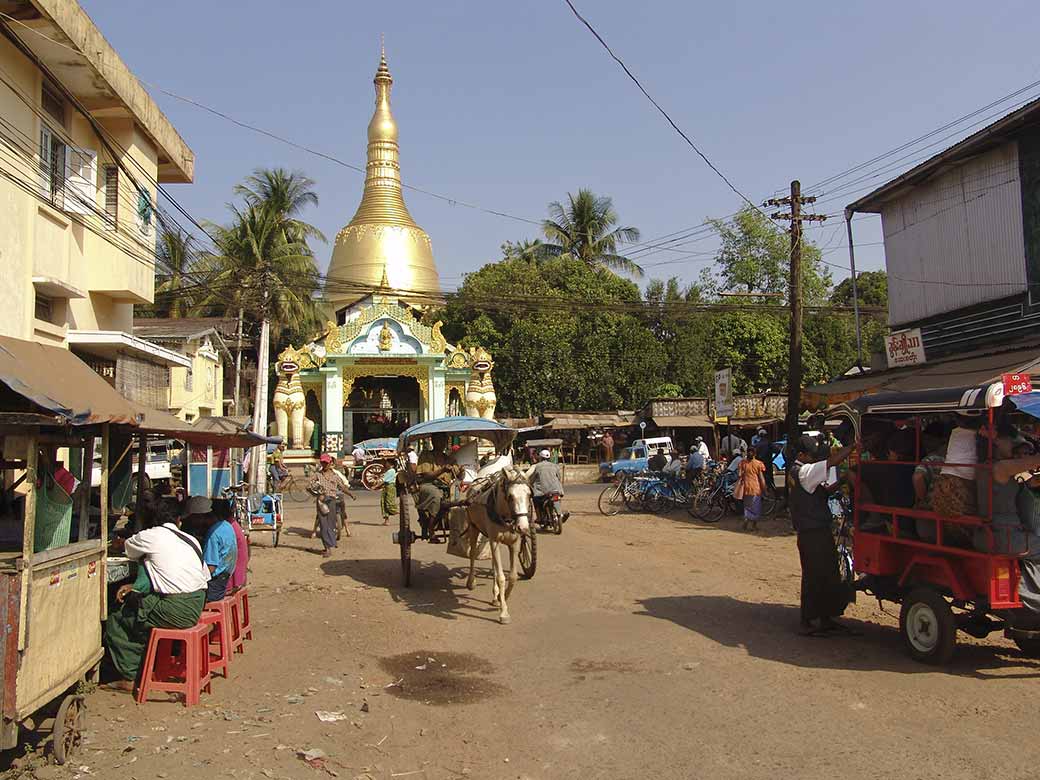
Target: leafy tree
[[524, 249], [871, 287], [754, 256], [585, 229]]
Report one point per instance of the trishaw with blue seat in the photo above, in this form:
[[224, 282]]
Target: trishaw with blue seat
[[942, 582], [460, 430]]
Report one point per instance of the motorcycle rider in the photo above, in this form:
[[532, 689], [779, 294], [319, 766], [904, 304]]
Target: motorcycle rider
[[545, 480]]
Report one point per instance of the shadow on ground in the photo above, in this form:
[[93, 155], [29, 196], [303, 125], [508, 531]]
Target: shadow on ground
[[769, 632], [436, 589]]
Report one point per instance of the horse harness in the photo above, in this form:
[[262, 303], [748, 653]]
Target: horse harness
[[495, 484]]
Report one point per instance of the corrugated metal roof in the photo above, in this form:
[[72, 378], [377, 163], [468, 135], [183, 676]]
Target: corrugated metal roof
[[182, 328], [992, 134]]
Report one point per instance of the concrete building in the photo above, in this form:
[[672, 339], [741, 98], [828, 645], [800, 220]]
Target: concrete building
[[196, 390], [82, 151]]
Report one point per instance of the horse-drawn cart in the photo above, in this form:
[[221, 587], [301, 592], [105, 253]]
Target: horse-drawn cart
[[379, 456], [437, 529]]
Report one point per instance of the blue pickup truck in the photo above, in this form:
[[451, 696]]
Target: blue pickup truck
[[635, 457]]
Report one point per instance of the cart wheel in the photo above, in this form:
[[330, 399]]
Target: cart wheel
[[528, 557], [68, 725], [404, 539], [372, 476], [928, 626]]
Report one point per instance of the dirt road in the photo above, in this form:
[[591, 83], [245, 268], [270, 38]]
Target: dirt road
[[643, 647]]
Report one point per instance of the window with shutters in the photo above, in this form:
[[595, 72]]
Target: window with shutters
[[52, 166], [44, 308], [111, 185], [80, 183]]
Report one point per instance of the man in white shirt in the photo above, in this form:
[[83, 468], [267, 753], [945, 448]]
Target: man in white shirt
[[732, 442], [169, 592], [702, 448], [824, 596]]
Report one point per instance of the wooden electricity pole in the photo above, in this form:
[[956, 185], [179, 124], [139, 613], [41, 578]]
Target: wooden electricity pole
[[794, 366]]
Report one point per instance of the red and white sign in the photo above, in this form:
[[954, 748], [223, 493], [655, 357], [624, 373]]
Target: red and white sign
[[1017, 384], [905, 348]]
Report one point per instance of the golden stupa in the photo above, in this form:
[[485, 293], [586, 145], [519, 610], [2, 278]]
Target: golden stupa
[[382, 246]]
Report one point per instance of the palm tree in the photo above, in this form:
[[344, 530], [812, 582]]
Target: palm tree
[[524, 249], [257, 269], [584, 229], [175, 259], [288, 193]]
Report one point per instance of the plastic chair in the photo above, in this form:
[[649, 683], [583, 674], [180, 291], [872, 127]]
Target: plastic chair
[[219, 661], [229, 610], [245, 624], [187, 673]]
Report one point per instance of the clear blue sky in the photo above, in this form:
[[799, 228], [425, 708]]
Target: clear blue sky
[[512, 105]]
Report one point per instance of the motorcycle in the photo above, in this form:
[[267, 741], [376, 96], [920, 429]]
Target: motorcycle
[[547, 513]]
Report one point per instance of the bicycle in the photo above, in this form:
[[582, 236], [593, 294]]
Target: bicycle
[[289, 488], [841, 512], [613, 496], [238, 495]]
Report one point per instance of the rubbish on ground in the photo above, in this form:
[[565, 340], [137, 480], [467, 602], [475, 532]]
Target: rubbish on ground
[[330, 717]]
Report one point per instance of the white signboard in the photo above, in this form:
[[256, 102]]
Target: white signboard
[[724, 393], [905, 348]]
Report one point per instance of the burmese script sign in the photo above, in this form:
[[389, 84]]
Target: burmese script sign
[[905, 348], [1017, 384]]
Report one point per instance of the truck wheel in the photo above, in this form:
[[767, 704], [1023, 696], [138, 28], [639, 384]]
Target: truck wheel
[[928, 627], [1029, 645]]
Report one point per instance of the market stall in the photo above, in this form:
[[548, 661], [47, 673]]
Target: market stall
[[53, 542]]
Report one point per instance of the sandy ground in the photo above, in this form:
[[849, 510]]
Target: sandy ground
[[643, 647]]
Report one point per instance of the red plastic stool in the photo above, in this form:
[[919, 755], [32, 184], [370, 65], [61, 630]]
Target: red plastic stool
[[228, 608], [219, 650], [245, 624], [186, 673]]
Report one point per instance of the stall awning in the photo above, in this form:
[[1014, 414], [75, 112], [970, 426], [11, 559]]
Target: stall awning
[[563, 421], [53, 380], [973, 369], [688, 421], [158, 423]]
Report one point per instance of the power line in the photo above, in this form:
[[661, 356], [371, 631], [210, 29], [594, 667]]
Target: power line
[[657, 105]]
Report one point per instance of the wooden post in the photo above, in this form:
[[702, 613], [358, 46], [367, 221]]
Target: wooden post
[[86, 477], [28, 529], [142, 466], [794, 367], [105, 440]]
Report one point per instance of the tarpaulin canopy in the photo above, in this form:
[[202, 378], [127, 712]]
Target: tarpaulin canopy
[[1028, 403], [57, 382]]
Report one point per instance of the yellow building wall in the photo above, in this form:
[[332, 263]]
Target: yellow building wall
[[109, 261], [205, 396]]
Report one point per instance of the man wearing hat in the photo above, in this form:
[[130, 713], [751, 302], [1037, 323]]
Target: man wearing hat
[[328, 489], [169, 592], [824, 596], [544, 478]]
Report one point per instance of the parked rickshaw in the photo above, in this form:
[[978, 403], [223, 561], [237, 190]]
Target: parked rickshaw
[[379, 456], [498, 435], [943, 585]]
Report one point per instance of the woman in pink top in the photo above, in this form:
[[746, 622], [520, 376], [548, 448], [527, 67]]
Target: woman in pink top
[[223, 509]]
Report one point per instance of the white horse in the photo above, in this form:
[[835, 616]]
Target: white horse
[[502, 514]]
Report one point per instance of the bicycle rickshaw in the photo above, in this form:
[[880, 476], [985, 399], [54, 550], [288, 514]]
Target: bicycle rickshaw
[[942, 587], [379, 456], [500, 437]]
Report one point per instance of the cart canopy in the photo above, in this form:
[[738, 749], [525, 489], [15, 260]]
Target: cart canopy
[[959, 399], [377, 444], [53, 381], [478, 427]]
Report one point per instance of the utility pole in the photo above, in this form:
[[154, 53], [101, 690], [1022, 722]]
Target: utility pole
[[794, 366], [855, 291], [238, 363]]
